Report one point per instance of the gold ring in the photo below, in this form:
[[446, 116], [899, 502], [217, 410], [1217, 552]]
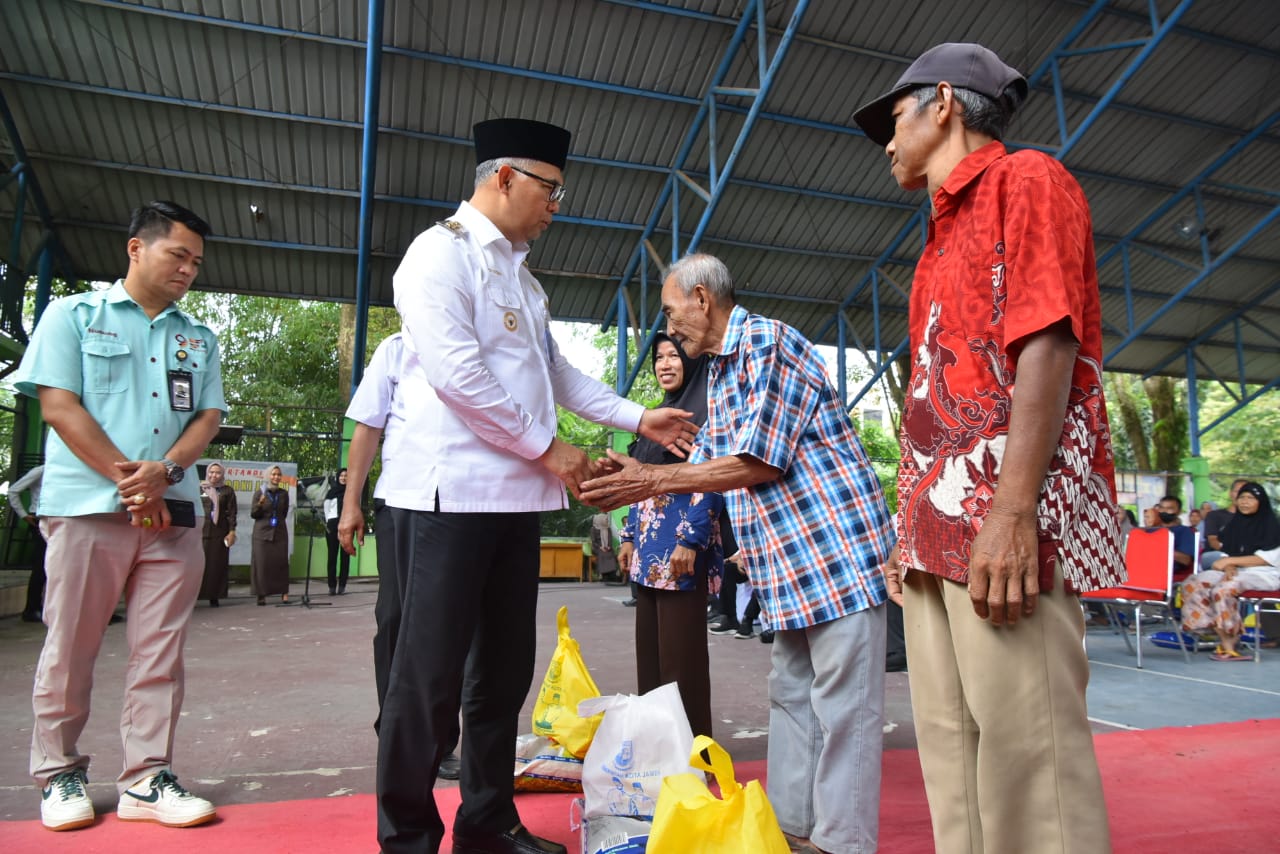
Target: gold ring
[[139, 499], [146, 521]]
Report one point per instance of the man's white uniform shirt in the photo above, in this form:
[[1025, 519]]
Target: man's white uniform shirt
[[376, 404], [482, 376]]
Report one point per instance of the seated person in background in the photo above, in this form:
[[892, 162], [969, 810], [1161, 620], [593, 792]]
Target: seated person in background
[[1214, 523], [1251, 542], [1184, 538]]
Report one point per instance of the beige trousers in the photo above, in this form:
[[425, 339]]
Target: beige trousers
[[91, 560], [1001, 723]]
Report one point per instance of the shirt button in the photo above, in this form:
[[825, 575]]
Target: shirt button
[[155, 394], [940, 251], [156, 430], [153, 358]]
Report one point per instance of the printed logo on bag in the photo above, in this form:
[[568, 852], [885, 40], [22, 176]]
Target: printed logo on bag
[[628, 797]]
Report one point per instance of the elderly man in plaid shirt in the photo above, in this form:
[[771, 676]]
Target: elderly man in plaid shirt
[[813, 529]]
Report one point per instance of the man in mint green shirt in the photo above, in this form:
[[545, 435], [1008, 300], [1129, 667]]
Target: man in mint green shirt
[[132, 388]]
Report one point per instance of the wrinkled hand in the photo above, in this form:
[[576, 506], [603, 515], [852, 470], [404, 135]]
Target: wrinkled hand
[[569, 464], [682, 559], [624, 557], [892, 571], [603, 466], [631, 483], [350, 528], [670, 428], [1004, 567]]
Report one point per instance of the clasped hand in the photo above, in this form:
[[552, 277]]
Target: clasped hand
[[142, 490]]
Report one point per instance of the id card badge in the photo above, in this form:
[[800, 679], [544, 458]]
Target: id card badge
[[274, 520], [180, 391]]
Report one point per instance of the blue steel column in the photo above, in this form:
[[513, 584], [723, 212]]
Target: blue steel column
[[368, 174], [1193, 403], [44, 280], [14, 272], [620, 381], [842, 358]]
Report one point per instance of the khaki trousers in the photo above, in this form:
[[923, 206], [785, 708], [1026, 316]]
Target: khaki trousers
[[1001, 723], [90, 562]]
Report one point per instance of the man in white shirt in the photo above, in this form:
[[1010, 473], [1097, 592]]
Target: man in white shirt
[[481, 380], [379, 415], [30, 482]]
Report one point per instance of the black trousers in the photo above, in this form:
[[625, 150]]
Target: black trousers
[[386, 614], [671, 646], [468, 585], [335, 555]]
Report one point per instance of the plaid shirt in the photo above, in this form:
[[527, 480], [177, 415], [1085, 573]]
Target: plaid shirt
[[812, 541]]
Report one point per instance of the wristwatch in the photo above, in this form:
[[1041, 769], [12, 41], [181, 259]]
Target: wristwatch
[[174, 473]]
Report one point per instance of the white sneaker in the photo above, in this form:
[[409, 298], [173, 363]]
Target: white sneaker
[[161, 798], [65, 803]]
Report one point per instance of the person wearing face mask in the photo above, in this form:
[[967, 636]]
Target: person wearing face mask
[[269, 567], [1169, 513], [1250, 560], [671, 548]]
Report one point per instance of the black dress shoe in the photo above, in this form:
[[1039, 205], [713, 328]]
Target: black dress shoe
[[518, 841], [450, 767]]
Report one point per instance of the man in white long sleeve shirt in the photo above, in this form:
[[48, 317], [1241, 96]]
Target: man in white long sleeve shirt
[[30, 482], [481, 380]]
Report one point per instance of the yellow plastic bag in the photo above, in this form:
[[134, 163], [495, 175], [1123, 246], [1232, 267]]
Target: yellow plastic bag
[[566, 684], [691, 820]]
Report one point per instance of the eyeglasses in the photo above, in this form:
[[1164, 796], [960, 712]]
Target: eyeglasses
[[557, 189]]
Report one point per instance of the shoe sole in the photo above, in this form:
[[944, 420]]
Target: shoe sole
[[74, 824], [135, 814]]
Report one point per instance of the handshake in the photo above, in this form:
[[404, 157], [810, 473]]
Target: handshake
[[617, 480]]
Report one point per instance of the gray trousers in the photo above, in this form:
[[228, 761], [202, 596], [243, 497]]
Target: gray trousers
[[826, 730]]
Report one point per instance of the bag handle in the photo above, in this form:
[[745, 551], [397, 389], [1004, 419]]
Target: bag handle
[[721, 765], [562, 622]]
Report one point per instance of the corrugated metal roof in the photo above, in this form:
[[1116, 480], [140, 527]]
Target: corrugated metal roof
[[221, 105]]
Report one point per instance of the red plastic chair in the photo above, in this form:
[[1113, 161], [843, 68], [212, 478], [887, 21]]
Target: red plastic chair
[[1148, 558]]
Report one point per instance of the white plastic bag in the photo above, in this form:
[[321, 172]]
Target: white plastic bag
[[641, 740]]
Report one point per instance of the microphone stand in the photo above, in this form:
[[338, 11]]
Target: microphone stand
[[305, 502]]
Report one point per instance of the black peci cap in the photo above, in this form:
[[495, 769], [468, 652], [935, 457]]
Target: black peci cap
[[534, 140], [963, 65]]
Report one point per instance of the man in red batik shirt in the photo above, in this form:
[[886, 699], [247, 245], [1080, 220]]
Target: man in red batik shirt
[[1006, 489]]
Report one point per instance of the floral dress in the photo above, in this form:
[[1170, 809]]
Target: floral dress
[[657, 525]]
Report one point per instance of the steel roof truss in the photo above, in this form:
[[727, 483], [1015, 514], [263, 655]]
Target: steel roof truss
[[719, 173]]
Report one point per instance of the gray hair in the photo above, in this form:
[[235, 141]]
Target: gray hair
[[979, 113], [706, 270], [489, 168]]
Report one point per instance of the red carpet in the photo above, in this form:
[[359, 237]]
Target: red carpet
[[1195, 790]]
